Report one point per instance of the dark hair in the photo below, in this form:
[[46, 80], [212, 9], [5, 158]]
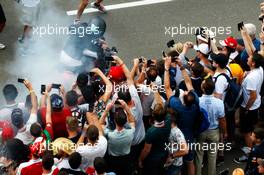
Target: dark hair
[[159, 113], [124, 94], [208, 86], [63, 172], [100, 165], [197, 69], [16, 150], [258, 59], [160, 67], [93, 133], [47, 160], [17, 117], [71, 98], [75, 160], [35, 130], [259, 133], [120, 117], [189, 99], [152, 73], [10, 92], [173, 54]]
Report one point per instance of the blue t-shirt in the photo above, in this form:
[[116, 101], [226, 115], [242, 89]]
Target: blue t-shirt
[[244, 55]]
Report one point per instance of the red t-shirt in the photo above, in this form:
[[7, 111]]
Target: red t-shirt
[[34, 167], [58, 121]]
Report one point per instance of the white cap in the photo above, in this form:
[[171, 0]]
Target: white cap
[[251, 28], [203, 48]]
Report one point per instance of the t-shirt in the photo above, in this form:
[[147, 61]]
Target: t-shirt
[[24, 133], [158, 137], [176, 138], [119, 142], [221, 84], [252, 82], [34, 167], [147, 98], [138, 114], [214, 108], [75, 138], [58, 121], [90, 152]]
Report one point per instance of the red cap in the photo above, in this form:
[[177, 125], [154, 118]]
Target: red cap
[[7, 131], [116, 73], [229, 42]]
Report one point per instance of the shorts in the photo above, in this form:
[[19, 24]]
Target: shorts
[[248, 121], [30, 15]]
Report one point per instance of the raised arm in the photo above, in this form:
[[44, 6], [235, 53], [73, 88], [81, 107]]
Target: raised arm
[[142, 76], [109, 86], [92, 119], [167, 77], [127, 73], [186, 77], [250, 48], [33, 96], [130, 117]]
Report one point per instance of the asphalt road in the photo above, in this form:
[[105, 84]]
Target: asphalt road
[[135, 31]]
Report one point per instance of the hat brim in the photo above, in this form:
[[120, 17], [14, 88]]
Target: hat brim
[[222, 43]]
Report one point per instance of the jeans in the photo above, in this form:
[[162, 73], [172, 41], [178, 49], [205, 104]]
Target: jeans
[[210, 138], [173, 170]]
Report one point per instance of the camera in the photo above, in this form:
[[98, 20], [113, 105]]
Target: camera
[[56, 86], [20, 80], [109, 53]]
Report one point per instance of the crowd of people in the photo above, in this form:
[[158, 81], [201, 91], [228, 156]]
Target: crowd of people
[[175, 115]]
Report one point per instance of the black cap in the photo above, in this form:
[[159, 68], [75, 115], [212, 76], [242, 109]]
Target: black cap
[[220, 59], [56, 102], [17, 117]]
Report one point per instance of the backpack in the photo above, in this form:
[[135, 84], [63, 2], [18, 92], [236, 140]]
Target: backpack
[[202, 122], [234, 97]]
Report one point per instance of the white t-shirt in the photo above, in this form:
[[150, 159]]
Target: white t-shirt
[[23, 134], [90, 152], [221, 84], [252, 82], [30, 3]]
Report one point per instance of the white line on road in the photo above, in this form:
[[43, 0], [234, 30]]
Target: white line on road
[[120, 6]]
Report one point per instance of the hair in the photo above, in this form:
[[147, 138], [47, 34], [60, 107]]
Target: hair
[[63, 172], [47, 160], [259, 133], [10, 92], [120, 117], [159, 112], [72, 123], [197, 69], [35, 130], [208, 86], [257, 59], [152, 73], [124, 94], [17, 118], [251, 29], [173, 54], [93, 133], [160, 67], [100, 165], [71, 98], [229, 50], [75, 160], [189, 99]]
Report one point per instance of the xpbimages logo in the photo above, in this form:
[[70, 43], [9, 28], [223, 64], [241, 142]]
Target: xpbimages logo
[[80, 30]]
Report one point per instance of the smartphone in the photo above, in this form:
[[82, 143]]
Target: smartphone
[[164, 54], [43, 88], [149, 62], [117, 102], [109, 58], [56, 86], [170, 43], [140, 60], [20, 80], [240, 25]]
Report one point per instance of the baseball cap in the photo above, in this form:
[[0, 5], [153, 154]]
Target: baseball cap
[[229, 42], [220, 59], [116, 73], [56, 102], [240, 42], [17, 117], [203, 48]]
